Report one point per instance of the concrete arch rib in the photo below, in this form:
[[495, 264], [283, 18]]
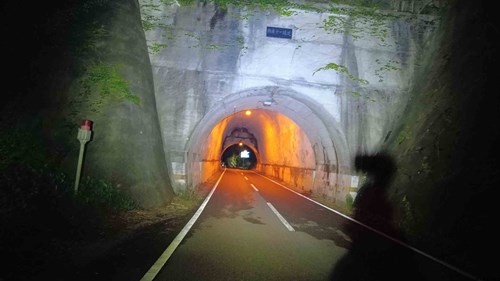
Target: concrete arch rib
[[329, 143]]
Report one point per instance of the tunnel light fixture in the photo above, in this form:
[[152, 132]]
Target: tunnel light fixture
[[267, 103], [248, 112], [240, 144]]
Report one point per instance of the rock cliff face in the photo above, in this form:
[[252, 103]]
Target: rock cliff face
[[444, 145]]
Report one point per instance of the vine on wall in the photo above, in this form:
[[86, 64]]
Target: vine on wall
[[357, 18], [99, 83]]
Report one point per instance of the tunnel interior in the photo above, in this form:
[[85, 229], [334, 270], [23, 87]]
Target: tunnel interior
[[271, 136], [288, 138]]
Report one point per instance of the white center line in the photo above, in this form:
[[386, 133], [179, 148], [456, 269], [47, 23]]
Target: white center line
[[255, 188], [246, 178], [282, 219]]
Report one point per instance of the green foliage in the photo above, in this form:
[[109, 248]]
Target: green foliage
[[151, 20], [31, 178], [102, 194], [407, 221], [38, 208], [20, 147], [108, 82], [214, 47], [100, 85], [357, 21], [342, 70], [349, 201], [186, 2], [282, 7], [390, 65], [232, 161], [241, 41], [404, 135], [28, 191], [189, 194], [157, 47], [358, 18], [357, 94], [91, 38]]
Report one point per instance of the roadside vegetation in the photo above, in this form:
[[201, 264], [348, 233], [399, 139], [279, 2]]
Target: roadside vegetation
[[43, 223]]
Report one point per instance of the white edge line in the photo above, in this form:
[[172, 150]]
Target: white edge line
[[246, 178], [157, 266], [282, 219], [378, 232], [255, 188]]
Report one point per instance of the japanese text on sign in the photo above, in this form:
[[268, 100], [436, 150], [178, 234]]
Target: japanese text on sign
[[279, 32]]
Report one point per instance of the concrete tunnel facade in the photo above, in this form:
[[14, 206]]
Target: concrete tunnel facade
[[295, 145], [309, 124]]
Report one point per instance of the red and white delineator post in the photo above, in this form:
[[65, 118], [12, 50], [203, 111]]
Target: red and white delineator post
[[84, 135]]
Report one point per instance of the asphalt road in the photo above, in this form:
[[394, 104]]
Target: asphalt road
[[253, 228]]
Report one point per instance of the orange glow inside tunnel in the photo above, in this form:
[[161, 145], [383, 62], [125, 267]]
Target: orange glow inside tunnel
[[279, 140]]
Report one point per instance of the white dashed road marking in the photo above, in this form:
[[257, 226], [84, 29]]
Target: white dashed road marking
[[282, 219]]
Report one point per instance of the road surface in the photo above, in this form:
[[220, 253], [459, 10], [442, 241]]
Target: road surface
[[253, 228]]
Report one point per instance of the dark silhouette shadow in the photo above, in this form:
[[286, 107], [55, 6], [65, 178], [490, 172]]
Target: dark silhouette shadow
[[371, 205], [372, 256]]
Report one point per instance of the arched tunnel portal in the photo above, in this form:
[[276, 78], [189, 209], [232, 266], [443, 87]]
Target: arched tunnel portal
[[294, 138]]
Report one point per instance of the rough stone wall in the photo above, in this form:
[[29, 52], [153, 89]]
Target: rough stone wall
[[445, 144], [126, 146], [74, 60]]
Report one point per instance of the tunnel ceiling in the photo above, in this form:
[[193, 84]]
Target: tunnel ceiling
[[240, 134], [274, 137]]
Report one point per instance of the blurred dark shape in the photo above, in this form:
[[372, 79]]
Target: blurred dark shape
[[371, 256], [371, 205]]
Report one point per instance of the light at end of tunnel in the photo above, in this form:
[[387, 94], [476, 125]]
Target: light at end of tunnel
[[248, 112], [245, 154]]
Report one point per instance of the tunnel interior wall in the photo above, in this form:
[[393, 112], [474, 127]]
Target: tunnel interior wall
[[298, 179], [205, 155], [286, 152]]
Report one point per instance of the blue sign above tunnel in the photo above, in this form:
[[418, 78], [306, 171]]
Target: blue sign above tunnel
[[279, 32]]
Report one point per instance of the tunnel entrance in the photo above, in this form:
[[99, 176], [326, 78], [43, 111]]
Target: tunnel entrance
[[293, 139], [239, 156]]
